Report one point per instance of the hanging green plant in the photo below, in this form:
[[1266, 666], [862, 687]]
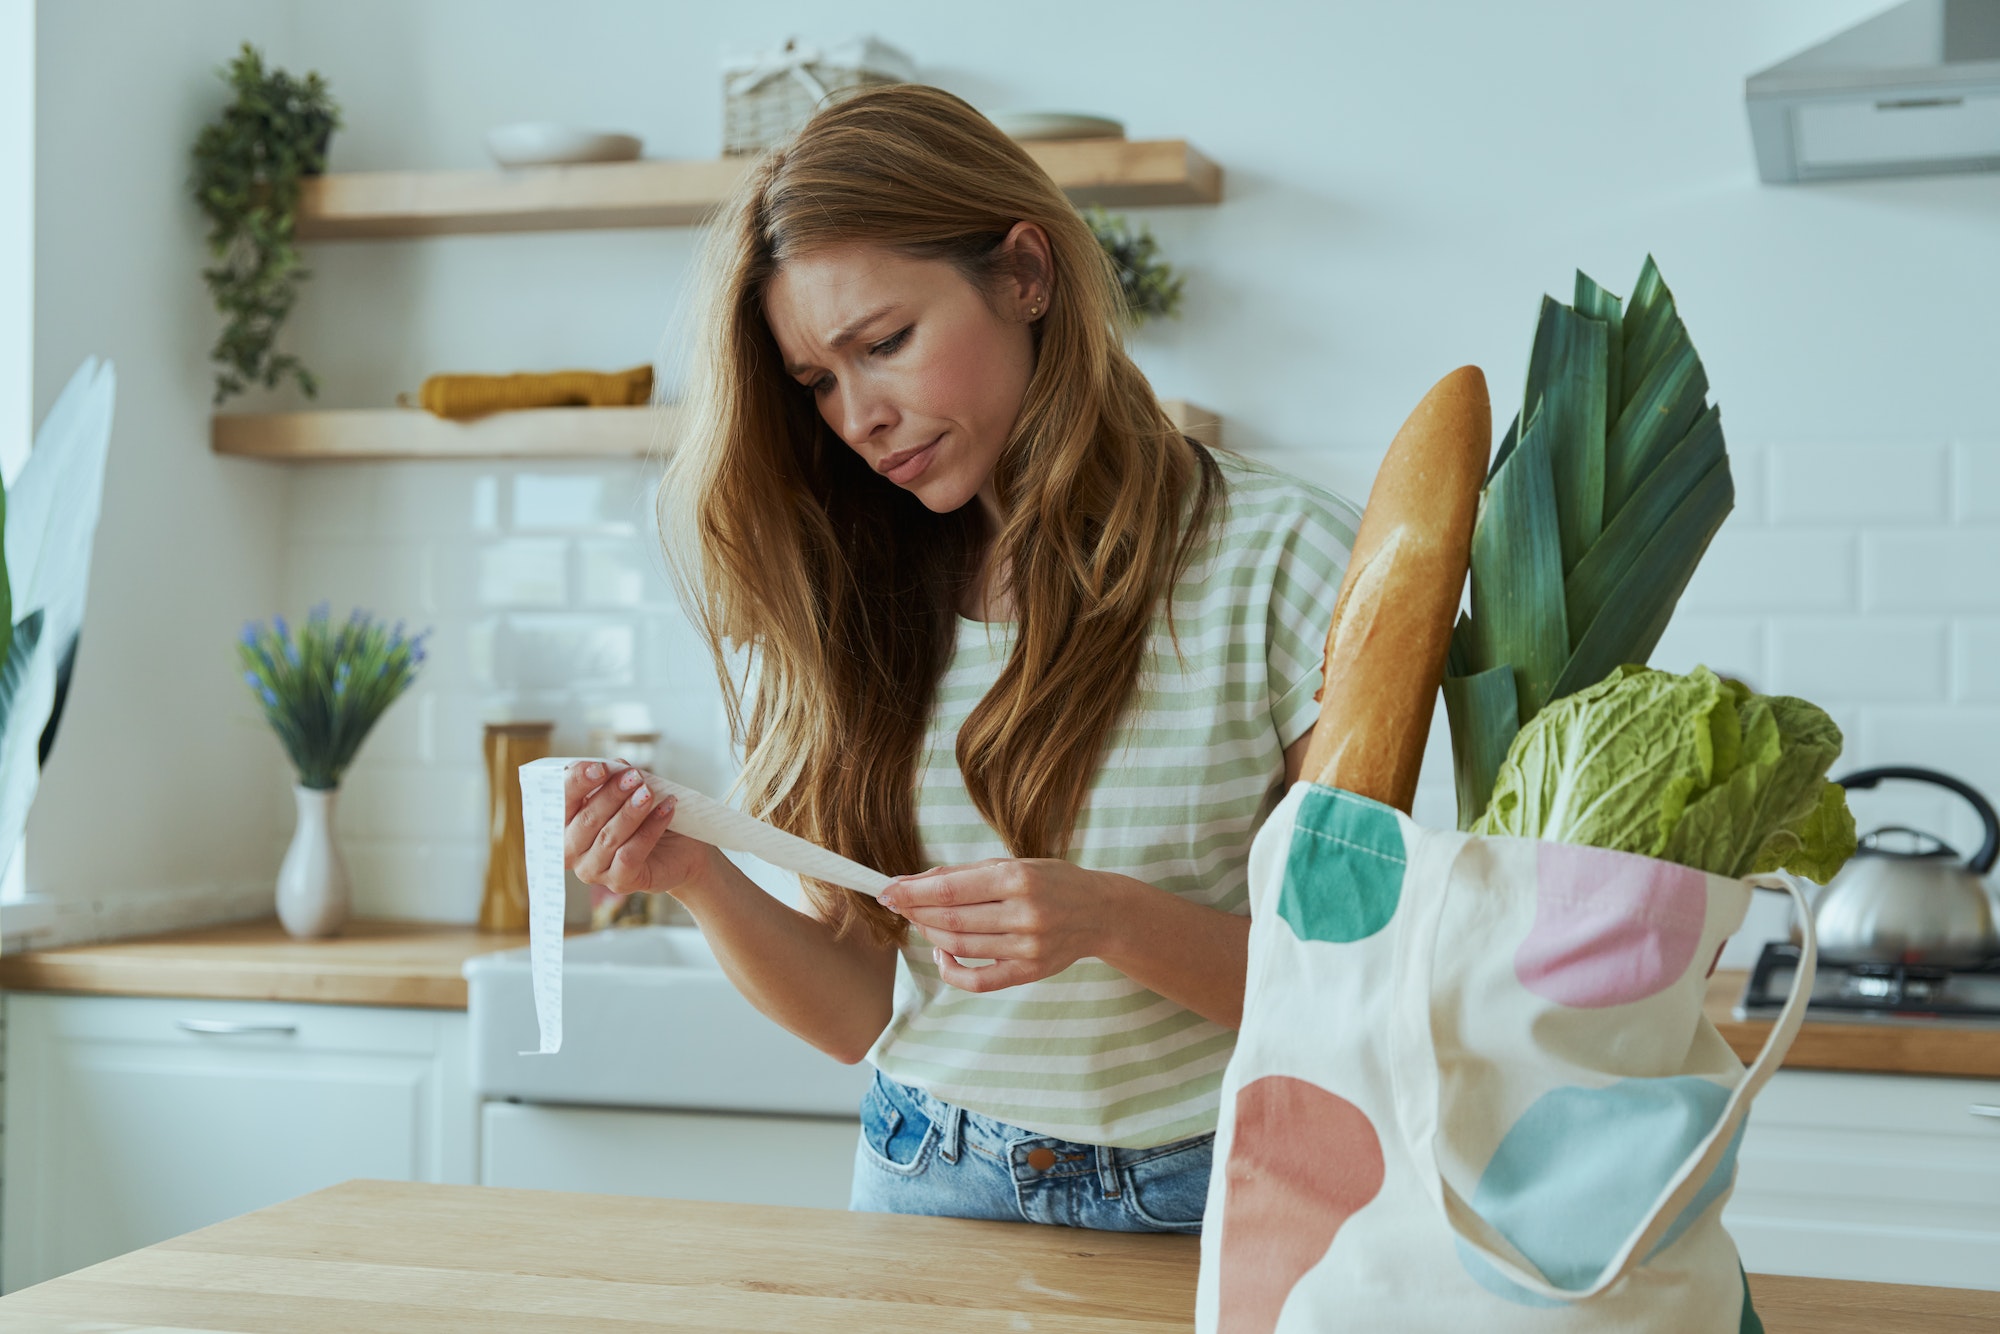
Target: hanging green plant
[[247, 169], [1152, 288]]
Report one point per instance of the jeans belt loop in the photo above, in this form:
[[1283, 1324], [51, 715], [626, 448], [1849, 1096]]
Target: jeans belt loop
[[954, 1132], [1107, 1171]]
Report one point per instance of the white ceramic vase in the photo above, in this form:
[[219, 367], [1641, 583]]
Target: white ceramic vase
[[312, 881]]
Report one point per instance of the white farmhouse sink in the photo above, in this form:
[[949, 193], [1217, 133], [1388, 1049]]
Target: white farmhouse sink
[[649, 1020]]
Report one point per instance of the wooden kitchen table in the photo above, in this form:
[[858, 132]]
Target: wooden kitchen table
[[401, 1258]]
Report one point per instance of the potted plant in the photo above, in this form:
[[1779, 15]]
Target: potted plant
[[1152, 289], [321, 691], [247, 168]]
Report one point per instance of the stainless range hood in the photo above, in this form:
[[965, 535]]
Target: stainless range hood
[[1909, 92]]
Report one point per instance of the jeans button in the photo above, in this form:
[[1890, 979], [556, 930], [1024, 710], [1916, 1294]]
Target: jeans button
[[1042, 1159]]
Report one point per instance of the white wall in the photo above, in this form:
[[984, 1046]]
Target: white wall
[[1402, 181], [17, 229], [160, 778]]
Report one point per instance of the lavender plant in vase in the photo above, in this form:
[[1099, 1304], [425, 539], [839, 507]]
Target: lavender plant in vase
[[322, 690]]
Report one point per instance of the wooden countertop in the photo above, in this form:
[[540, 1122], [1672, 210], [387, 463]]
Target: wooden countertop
[[402, 1258], [1903, 1049], [417, 964], [412, 964]]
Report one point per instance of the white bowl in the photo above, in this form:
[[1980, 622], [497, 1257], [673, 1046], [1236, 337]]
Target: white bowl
[[542, 143], [1032, 125]]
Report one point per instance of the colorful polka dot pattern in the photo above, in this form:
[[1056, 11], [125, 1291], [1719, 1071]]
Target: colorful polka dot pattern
[[1344, 870], [1610, 928], [1302, 1162], [1575, 1175]]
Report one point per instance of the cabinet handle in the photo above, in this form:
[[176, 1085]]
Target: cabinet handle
[[1986, 1109], [228, 1026]]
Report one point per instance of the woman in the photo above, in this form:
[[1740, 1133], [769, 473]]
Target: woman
[[1003, 622]]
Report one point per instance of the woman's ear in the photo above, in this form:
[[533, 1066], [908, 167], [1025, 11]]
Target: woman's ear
[[1029, 258]]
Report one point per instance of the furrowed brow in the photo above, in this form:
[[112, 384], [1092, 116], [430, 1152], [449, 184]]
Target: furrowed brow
[[848, 334]]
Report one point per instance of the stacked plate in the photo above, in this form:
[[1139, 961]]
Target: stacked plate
[[1037, 125], [543, 143]]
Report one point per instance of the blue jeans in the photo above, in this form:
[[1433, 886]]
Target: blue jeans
[[918, 1155]]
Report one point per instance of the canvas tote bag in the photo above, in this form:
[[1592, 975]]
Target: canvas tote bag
[[1474, 1089]]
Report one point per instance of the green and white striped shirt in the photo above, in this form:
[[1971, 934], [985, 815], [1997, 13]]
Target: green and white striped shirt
[[1190, 772]]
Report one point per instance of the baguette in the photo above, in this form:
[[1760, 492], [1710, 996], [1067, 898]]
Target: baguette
[[1385, 651]]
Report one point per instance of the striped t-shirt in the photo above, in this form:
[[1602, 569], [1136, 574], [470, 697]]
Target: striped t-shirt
[[1190, 771]]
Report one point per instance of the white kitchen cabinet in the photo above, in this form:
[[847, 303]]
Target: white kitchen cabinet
[[733, 1158], [1890, 1178], [134, 1119]]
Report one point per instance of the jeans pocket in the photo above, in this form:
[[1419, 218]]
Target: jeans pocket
[[896, 1135], [1168, 1188]]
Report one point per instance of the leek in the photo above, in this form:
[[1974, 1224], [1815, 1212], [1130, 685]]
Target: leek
[[1603, 495]]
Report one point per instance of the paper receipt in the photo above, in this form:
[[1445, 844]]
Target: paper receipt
[[695, 814]]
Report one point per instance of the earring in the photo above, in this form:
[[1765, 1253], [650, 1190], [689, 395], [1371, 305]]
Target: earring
[[1037, 310]]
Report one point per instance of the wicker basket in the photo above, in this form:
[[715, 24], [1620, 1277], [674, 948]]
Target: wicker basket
[[765, 98]]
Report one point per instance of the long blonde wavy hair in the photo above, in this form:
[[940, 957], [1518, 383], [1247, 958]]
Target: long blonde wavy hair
[[843, 588]]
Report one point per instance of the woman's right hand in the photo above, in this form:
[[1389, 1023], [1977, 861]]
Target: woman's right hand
[[616, 834]]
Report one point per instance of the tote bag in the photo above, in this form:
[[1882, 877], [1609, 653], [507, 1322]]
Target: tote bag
[[1474, 1088]]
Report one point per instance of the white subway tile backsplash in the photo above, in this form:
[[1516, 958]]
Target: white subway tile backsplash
[[618, 574], [1728, 645], [1913, 806], [478, 646], [429, 803], [674, 654], [1751, 569], [391, 580], [1861, 659], [1750, 474], [1962, 740], [1976, 669], [1865, 580], [1941, 570], [426, 880], [1976, 480], [403, 734], [443, 498], [459, 730], [1847, 717], [522, 572], [566, 653], [1903, 483], [580, 502]]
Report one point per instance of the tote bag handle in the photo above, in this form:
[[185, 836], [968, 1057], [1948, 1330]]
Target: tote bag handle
[[1702, 1161]]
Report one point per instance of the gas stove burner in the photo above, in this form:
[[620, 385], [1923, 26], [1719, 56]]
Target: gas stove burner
[[1875, 991], [1892, 985]]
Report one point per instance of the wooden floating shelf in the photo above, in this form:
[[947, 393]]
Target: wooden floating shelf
[[1118, 173], [534, 433], [405, 433]]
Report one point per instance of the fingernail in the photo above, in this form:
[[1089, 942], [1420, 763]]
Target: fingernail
[[937, 956], [631, 777], [594, 772], [642, 796]]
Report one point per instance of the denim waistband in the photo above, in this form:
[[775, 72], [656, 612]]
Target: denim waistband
[[959, 1127]]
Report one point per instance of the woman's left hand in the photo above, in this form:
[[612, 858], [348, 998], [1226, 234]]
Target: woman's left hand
[[1033, 917]]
